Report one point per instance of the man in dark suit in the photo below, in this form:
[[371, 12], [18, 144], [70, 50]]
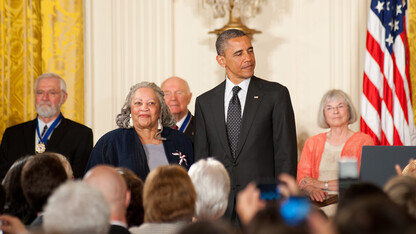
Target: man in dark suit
[[50, 131], [177, 97], [249, 128]]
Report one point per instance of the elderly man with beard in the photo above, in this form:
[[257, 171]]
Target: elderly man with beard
[[50, 131]]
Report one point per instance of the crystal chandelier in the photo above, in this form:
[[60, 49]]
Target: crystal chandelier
[[238, 9]]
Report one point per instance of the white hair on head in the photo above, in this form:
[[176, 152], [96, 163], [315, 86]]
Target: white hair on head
[[212, 185], [76, 207]]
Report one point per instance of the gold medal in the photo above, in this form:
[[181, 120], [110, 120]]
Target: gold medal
[[40, 148]]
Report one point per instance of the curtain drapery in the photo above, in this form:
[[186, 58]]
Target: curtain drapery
[[412, 48], [39, 36]]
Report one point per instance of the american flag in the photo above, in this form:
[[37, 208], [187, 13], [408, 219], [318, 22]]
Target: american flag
[[386, 105]]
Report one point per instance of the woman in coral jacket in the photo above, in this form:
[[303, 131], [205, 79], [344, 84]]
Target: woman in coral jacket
[[317, 174]]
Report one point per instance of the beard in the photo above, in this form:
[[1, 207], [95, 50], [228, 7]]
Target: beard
[[46, 109]]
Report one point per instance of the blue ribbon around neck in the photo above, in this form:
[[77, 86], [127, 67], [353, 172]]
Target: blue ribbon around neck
[[44, 139], [185, 122]]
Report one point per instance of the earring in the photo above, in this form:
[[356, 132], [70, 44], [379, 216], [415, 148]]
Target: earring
[[131, 122], [159, 124]]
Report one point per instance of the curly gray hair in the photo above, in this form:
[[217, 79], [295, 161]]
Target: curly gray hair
[[166, 119]]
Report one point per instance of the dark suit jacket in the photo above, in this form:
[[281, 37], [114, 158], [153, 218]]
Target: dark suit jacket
[[123, 148], [71, 139], [117, 229], [267, 142], [190, 130]]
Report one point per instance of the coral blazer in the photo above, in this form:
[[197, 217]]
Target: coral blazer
[[314, 147]]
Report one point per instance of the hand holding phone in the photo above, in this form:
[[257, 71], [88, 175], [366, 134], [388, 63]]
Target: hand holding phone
[[269, 192]]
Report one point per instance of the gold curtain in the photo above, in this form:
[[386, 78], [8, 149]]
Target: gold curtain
[[38, 36], [412, 47]]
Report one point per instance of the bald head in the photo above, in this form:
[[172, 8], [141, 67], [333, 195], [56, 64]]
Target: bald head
[[177, 96], [112, 185]]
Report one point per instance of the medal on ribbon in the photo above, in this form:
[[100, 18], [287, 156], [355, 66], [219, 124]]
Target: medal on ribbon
[[41, 146]]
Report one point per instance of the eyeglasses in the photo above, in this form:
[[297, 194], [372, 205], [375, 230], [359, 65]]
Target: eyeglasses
[[340, 107], [49, 92]]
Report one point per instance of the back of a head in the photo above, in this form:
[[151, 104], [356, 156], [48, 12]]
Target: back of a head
[[41, 175], [112, 185], [66, 165], [360, 191], [76, 207], [209, 227], [402, 191], [372, 215], [16, 203], [135, 210], [168, 195], [212, 185], [269, 221]]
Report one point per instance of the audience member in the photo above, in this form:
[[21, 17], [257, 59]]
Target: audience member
[[373, 215], [359, 192], [209, 227], [177, 97], [212, 186], [2, 198], [12, 225], [168, 199], [66, 165], [402, 191], [317, 174], [41, 175], [135, 211], [114, 189], [16, 203], [269, 221], [76, 207], [246, 122], [50, 131], [409, 170], [249, 203], [143, 145]]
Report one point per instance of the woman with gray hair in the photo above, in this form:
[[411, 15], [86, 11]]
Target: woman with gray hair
[[318, 166], [212, 185], [145, 138]]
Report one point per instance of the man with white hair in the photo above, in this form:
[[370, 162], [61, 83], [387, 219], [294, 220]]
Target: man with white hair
[[76, 207], [114, 189], [212, 185], [50, 131]]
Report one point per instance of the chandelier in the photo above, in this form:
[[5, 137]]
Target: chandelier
[[238, 10]]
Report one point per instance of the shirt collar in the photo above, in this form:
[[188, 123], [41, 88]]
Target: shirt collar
[[243, 85]]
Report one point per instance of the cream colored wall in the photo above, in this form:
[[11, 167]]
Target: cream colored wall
[[309, 46]]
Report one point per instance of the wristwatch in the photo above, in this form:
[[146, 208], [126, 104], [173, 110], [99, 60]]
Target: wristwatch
[[326, 185]]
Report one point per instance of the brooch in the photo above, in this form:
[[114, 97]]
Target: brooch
[[182, 157]]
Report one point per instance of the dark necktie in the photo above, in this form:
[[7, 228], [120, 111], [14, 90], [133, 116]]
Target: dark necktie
[[44, 131], [234, 120]]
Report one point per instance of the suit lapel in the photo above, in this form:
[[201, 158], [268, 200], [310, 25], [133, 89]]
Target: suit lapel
[[57, 134], [253, 100], [29, 136], [217, 105]]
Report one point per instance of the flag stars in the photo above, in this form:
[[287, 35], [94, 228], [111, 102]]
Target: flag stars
[[396, 25], [388, 6], [389, 40], [380, 6], [399, 10], [391, 24]]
